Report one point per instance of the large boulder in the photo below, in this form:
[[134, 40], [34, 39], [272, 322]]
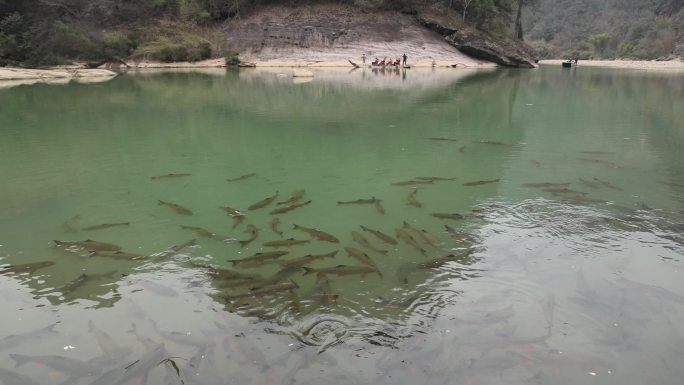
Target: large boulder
[[500, 50], [507, 53]]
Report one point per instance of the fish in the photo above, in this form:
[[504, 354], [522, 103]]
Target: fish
[[25, 268], [258, 258], [173, 250], [268, 289], [253, 232], [341, 270], [495, 143], [361, 257], [233, 212], [545, 185], [106, 343], [380, 235], [412, 200], [429, 239], [241, 177], [323, 283], [192, 367], [285, 209], [120, 255], [408, 239], [588, 183], [286, 242], [274, 226], [359, 202], [435, 263], [282, 275], [672, 184], [361, 240], [238, 221], [564, 191], [597, 152], [199, 231], [457, 235], [106, 226], [318, 234], [15, 340], [454, 216], [607, 184], [242, 282], [12, 378], [181, 338], [72, 367], [404, 271], [462, 149], [443, 139], [265, 290], [294, 198], [599, 161], [307, 259], [295, 303], [167, 176], [536, 163], [83, 280], [378, 207], [219, 273], [412, 182], [146, 342], [434, 178], [180, 210], [88, 244], [238, 215], [138, 368], [480, 182], [264, 202]]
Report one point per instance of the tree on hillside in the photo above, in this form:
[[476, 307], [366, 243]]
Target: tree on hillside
[[518, 28]]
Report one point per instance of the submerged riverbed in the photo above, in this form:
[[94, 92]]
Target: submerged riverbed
[[531, 228]]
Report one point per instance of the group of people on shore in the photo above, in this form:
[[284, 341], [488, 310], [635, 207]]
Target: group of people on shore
[[384, 62]]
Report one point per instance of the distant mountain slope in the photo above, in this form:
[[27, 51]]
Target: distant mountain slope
[[638, 29]]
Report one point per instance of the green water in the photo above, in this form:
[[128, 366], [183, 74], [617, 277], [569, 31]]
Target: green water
[[577, 284]]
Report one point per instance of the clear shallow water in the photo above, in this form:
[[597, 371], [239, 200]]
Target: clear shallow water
[[580, 286]]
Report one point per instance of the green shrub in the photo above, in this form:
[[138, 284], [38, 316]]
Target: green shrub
[[14, 38], [116, 44], [600, 42], [232, 58], [624, 49], [162, 50], [543, 49], [201, 52], [172, 53], [166, 6]]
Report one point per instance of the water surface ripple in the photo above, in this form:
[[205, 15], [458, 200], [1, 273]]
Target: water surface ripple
[[436, 227]]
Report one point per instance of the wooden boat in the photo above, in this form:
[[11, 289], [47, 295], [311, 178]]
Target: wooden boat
[[569, 64]]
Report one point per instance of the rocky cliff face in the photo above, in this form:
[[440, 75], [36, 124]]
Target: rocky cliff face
[[502, 51], [328, 31]]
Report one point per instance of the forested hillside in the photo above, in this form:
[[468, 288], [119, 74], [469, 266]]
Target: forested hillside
[[44, 32], [635, 29]]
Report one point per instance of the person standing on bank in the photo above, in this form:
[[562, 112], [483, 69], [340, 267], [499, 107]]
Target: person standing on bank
[[404, 57], [363, 58]]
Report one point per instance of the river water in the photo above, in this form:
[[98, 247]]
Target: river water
[[562, 262]]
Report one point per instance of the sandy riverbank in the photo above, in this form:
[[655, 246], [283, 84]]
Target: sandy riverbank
[[671, 65], [320, 59]]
